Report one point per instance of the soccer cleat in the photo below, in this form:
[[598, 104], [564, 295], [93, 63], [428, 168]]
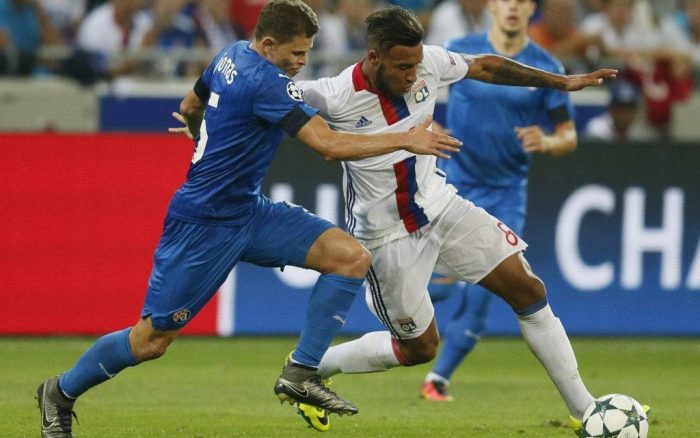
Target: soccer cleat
[[56, 410], [577, 425], [300, 384], [316, 418], [435, 390]]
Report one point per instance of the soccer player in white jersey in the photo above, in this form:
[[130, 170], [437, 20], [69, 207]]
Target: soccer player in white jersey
[[400, 207]]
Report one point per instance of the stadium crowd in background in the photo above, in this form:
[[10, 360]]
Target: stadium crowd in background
[[98, 40]]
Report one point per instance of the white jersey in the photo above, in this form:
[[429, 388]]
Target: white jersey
[[392, 195]]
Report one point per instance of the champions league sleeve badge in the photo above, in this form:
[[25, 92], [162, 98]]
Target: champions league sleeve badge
[[294, 92]]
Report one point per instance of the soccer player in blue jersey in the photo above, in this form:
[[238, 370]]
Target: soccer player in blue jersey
[[238, 111], [491, 169]]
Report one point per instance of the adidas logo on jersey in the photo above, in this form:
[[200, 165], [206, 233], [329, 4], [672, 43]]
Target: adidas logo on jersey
[[363, 123]]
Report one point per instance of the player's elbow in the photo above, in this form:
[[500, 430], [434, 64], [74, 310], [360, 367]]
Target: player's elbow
[[332, 150], [332, 155], [191, 106], [567, 146], [573, 144], [190, 109]]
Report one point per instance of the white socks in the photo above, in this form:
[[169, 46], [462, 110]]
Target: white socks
[[370, 353], [547, 339], [431, 376]]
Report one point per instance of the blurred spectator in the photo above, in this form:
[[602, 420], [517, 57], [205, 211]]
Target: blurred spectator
[[557, 31], [65, 15], [94, 4], [630, 32], [422, 9], [620, 122], [341, 35], [174, 26], [216, 26], [354, 13], [593, 6], [109, 32], [621, 35], [684, 28], [244, 15], [24, 26], [456, 18]]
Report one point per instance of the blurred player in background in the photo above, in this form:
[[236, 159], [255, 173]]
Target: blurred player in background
[[218, 216], [400, 207], [491, 169]]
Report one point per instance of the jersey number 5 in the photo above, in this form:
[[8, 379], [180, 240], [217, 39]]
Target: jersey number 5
[[202, 143]]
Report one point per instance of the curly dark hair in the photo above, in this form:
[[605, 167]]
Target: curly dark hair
[[393, 26], [286, 19]]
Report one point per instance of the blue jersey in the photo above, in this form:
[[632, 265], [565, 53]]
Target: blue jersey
[[250, 104], [484, 116]]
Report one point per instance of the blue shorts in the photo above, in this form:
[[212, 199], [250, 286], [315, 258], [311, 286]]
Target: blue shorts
[[193, 259], [506, 203]]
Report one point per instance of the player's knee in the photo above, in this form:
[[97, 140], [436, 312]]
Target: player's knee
[[354, 262], [153, 349], [533, 291], [362, 260]]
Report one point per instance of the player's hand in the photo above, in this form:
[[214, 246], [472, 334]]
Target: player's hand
[[423, 141], [533, 139], [182, 129], [579, 82]]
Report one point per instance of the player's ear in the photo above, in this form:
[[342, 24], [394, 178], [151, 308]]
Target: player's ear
[[267, 43], [373, 57]]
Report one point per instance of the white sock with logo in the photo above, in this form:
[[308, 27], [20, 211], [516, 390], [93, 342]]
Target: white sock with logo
[[547, 339], [370, 353]]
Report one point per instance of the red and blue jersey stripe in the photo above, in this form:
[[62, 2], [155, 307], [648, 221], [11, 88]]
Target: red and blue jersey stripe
[[394, 108], [410, 212]]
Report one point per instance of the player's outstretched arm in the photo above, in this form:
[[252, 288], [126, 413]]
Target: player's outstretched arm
[[333, 145], [497, 69]]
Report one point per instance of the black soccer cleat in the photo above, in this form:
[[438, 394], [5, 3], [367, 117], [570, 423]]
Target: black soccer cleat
[[300, 384], [56, 410]]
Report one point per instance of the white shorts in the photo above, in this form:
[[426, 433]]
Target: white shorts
[[462, 242]]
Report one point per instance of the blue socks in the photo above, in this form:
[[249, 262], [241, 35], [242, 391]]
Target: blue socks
[[464, 331], [328, 307], [108, 356]]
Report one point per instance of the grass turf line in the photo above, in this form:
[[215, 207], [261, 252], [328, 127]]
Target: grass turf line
[[210, 387]]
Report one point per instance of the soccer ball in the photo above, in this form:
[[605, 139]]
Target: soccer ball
[[615, 416]]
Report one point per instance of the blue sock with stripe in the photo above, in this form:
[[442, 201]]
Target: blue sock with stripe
[[108, 356], [464, 330], [441, 291], [328, 307]]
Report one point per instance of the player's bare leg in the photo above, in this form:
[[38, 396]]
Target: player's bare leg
[[514, 281]]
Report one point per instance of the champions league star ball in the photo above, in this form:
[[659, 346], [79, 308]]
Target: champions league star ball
[[615, 416]]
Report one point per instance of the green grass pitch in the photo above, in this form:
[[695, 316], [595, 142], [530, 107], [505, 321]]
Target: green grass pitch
[[211, 387]]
